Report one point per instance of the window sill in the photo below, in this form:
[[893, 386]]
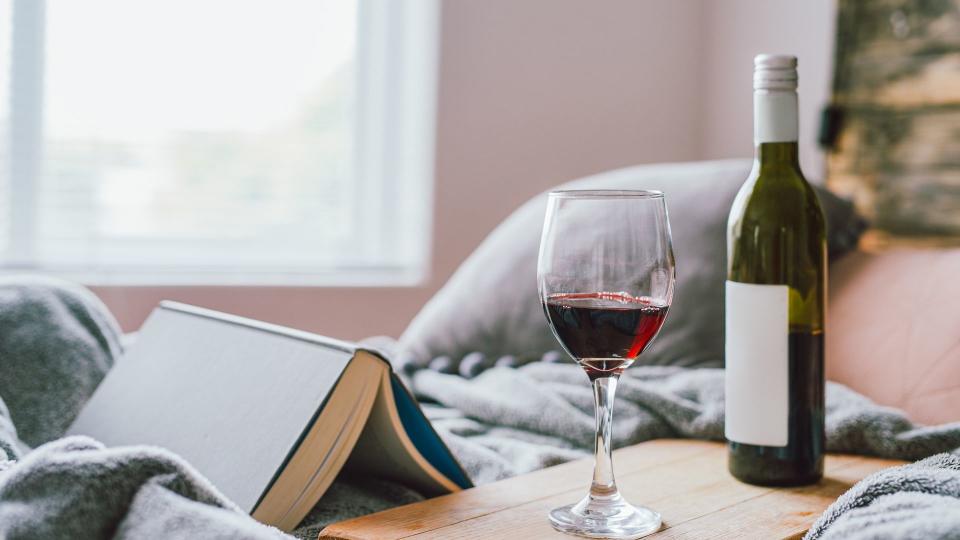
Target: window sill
[[200, 277]]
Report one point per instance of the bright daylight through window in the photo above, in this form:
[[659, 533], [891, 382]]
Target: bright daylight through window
[[258, 142]]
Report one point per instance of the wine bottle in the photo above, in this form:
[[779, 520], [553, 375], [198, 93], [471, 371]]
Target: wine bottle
[[775, 299]]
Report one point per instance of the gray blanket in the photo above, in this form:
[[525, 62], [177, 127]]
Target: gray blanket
[[913, 502], [57, 342]]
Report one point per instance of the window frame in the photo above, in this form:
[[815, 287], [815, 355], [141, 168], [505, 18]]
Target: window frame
[[394, 141]]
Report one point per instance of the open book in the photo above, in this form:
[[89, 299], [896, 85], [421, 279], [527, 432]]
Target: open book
[[269, 414]]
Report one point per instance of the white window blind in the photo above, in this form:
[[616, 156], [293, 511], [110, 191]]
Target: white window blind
[[214, 141]]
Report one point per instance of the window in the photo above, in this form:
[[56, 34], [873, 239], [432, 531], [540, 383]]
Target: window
[[212, 141]]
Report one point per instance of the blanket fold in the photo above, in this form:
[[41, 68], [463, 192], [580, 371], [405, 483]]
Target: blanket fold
[[57, 341], [916, 501], [74, 487]]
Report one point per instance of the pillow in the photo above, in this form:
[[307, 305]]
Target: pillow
[[491, 306]]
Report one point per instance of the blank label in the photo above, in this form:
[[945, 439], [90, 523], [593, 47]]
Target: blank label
[[757, 362]]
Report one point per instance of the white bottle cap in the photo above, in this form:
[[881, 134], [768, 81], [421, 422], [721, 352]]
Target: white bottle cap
[[774, 72]]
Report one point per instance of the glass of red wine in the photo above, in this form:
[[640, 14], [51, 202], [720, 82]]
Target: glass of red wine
[[606, 278]]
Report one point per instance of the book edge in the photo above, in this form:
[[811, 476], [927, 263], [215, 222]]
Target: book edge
[[285, 522], [293, 333]]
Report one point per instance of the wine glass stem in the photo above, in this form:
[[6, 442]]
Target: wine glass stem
[[604, 486]]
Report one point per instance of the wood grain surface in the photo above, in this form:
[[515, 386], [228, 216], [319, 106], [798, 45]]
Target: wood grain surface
[[686, 481]]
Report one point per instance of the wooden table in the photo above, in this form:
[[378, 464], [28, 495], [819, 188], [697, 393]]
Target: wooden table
[[686, 481]]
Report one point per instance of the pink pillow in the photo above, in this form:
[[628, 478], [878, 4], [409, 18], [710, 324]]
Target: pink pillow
[[894, 330]]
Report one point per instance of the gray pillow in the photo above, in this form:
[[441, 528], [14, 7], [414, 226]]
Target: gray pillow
[[490, 305]]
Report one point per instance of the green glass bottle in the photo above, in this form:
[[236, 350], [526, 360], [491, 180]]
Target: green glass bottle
[[775, 299]]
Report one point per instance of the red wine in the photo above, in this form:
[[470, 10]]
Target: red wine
[[604, 331]]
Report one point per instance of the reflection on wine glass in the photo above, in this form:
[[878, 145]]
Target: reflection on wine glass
[[606, 278]]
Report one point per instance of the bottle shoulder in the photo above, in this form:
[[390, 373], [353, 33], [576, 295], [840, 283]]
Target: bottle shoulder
[[783, 197]]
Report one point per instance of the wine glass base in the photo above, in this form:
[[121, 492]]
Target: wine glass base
[[605, 518]]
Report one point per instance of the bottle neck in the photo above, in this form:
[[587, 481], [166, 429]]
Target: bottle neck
[[775, 153], [775, 126], [774, 116]]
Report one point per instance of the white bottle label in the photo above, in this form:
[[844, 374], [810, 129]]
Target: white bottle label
[[757, 364]]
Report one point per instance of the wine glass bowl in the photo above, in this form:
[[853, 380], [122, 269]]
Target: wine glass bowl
[[606, 276], [604, 331]]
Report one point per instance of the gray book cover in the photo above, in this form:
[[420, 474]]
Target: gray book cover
[[231, 396]]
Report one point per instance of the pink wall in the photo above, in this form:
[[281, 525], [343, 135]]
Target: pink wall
[[532, 94], [739, 29]]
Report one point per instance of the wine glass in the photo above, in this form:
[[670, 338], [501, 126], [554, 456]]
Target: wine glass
[[606, 277]]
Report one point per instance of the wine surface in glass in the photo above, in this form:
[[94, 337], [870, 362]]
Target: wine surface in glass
[[604, 331]]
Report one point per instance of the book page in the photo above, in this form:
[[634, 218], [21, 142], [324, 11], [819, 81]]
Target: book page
[[385, 450]]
